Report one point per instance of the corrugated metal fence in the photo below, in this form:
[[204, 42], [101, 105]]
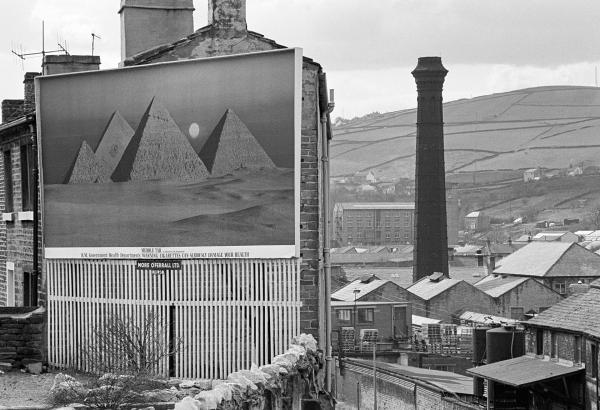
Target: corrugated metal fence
[[219, 316]]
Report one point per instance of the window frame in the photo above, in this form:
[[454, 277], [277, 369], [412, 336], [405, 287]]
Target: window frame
[[9, 201], [27, 181], [362, 315]]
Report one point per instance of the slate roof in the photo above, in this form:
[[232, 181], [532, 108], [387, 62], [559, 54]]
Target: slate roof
[[540, 259], [428, 289], [474, 214], [498, 285], [578, 313], [347, 292], [523, 371], [485, 319], [550, 236]]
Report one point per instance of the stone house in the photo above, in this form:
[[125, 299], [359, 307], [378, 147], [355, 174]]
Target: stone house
[[560, 367], [22, 282], [476, 221], [446, 298], [556, 264], [518, 297], [373, 303]]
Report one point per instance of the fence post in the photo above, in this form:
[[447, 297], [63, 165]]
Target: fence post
[[358, 395]]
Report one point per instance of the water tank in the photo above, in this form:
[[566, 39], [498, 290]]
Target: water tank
[[504, 343], [479, 343]]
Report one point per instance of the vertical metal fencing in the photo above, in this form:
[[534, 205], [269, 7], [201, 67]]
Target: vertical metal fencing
[[217, 316]]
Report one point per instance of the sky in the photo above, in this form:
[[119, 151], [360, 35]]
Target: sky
[[367, 48]]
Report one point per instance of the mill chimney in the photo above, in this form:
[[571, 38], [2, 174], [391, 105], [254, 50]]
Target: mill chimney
[[146, 24], [431, 236]]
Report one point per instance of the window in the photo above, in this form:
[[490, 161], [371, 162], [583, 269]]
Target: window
[[343, 314], [406, 237], [366, 315], [30, 286], [10, 284], [553, 345], [407, 223], [517, 313], [560, 287], [388, 235], [577, 350], [27, 182], [539, 342], [8, 185]]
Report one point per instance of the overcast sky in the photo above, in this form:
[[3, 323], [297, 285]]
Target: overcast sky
[[367, 48]]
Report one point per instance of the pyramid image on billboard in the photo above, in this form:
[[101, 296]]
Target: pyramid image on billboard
[[86, 169], [231, 146], [159, 151], [115, 139]]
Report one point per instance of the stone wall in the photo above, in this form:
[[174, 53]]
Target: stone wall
[[21, 335]]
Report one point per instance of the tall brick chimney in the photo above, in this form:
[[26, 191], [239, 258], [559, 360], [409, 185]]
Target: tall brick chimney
[[60, 64], [228, 17], [29, 100], [431, 236], [149, 23]]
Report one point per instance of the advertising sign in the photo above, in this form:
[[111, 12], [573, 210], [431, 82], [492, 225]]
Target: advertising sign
[[191, 159]]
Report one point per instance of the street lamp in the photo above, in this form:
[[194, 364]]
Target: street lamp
[[356, 292]]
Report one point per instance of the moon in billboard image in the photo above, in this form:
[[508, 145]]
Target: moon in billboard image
[[194, 130]]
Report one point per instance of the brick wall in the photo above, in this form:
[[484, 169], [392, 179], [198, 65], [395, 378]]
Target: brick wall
[[16, 237], [21, 336], [460, 297], [393, 393], [11, 110], [530, 295]]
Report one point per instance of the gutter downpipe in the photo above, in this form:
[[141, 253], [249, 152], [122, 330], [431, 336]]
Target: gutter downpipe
[[326, 108], [36, 219]]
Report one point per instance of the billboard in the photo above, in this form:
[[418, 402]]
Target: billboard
[[191, 159]]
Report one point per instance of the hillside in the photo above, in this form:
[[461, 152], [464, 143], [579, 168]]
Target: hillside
[[550, 127]]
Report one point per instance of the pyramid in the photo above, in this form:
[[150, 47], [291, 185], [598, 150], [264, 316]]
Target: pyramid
[[159, 150], [115, 139], [232, 146], [86, 169]]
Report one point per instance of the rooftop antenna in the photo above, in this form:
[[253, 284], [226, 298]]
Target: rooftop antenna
[[94, 36], [23, 55]]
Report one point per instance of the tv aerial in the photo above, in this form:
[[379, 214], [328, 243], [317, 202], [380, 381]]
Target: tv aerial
[[22, 55]]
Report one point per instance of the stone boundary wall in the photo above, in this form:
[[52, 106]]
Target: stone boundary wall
[[21, 336]]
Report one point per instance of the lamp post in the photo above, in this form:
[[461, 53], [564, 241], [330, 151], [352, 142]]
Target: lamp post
[[356, 292]]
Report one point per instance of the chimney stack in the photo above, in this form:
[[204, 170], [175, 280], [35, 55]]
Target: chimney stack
[[431, 241], [29, 100], [146, 24], [228, 17], [60, 64]]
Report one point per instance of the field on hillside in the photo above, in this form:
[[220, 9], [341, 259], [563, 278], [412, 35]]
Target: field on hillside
[[549, 127]]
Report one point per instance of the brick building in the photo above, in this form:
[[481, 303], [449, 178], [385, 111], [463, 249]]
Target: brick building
[[556, 264], [384, 223], [20, 281], [518, 298], [446, 298], [560, 367], [225, 34]]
